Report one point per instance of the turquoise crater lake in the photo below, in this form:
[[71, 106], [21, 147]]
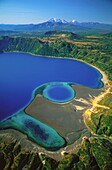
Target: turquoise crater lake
[[21, 74], [59, 92]]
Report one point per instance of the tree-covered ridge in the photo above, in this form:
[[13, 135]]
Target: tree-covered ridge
[[94, 154], [96, 50]]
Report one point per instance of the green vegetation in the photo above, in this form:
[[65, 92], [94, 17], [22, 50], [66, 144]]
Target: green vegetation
[[94, 153], [90, 156], [99, 120]]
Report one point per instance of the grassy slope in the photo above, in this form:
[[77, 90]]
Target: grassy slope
[[96, 50], [94, 154]]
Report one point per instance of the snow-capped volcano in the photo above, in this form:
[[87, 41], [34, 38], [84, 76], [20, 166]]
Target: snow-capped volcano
[[58, 24], [74, 22], [55, 20]]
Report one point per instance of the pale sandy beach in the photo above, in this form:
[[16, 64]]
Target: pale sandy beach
[[66, 119]]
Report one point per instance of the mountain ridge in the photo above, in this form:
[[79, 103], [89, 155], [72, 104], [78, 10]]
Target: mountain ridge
[[58, 24], [58, 20]]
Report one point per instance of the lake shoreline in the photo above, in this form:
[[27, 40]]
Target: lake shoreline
[[104, 75], [104, 78]]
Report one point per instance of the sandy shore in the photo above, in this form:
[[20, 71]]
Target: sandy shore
[[104, 78], [66, 119]]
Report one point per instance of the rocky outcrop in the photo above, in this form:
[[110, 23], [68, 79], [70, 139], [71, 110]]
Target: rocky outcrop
[[95, 153]]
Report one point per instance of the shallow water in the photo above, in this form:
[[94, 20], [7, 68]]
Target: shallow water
[[37, 131], [21, 73], [23, 76]]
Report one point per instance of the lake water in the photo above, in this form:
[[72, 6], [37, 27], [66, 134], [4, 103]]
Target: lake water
[[59, 92], [21, 73]]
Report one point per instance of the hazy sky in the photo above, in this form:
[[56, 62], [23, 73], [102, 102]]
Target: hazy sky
[[37, 11]]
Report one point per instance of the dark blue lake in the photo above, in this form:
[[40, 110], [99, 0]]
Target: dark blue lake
[[21, 73]]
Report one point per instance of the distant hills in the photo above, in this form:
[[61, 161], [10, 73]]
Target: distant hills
[[58, 24], [81, 24]]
